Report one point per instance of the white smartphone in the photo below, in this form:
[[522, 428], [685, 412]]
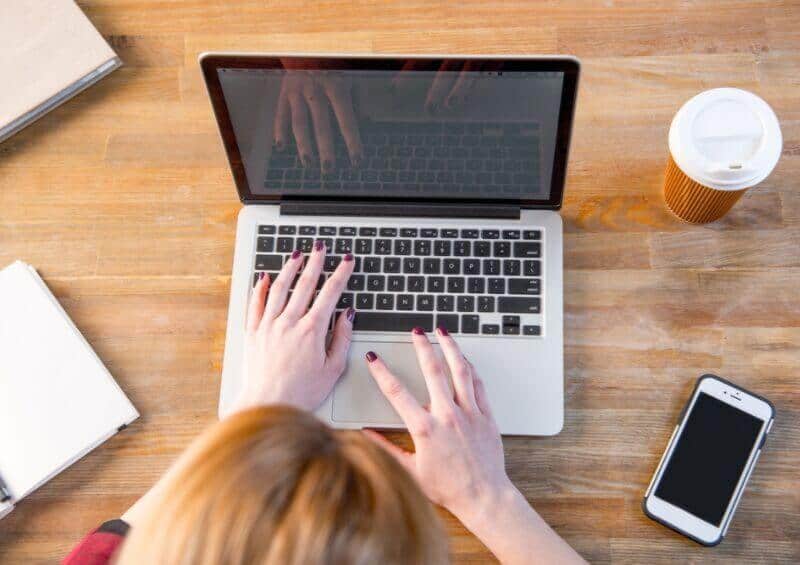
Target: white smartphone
[[709, 458]]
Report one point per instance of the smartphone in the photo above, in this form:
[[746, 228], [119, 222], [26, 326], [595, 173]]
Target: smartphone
[[709, 458]]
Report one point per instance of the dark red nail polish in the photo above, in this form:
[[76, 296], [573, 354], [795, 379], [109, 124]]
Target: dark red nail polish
[[371, 356], [418, 331], [261, 276], [348, 257], [296, 253], [319, 245], [443, 331], [351, 315]]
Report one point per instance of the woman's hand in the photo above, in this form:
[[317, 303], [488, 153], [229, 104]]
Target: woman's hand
[[286, 357], [459, 454]]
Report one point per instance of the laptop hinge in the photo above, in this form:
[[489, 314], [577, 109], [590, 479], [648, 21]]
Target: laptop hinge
[[423, 209]]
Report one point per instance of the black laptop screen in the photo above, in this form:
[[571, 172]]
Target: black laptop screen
[[425, 129]]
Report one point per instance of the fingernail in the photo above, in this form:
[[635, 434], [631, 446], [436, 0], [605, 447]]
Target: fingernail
[[319, 245], [261, 275], [351, 315], [418, 331], [348, 257], [371, 356], [296, 253], [443, 331]]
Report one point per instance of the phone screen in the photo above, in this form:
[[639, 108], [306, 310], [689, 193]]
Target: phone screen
[[710, 456]]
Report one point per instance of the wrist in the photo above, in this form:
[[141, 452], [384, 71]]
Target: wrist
[[479, 511]]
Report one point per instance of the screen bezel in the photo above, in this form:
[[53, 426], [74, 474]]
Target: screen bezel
[[211, 62], [680, 519]]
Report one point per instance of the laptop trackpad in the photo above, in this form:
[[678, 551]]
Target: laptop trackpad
[[357, 398]]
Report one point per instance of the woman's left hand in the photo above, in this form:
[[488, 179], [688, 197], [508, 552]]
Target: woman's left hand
[[286, 357]]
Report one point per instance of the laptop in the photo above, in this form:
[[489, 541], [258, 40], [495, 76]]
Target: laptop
[[443, 176]]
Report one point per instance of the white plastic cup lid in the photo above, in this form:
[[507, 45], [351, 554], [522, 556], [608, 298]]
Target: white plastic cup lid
[[726, 138]]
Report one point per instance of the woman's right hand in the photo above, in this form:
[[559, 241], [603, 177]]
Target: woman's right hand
[[459, 460]]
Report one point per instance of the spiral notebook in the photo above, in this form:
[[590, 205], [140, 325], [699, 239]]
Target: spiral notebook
[[57, 400]]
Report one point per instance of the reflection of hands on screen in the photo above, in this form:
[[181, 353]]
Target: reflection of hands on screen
[[452, 86], [304, 111]]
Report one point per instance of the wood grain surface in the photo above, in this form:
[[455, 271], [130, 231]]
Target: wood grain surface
[[123, 200]]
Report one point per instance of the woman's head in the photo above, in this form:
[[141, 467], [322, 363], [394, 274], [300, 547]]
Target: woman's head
[[274, 485]]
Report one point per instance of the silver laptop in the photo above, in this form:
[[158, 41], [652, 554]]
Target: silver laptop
[[443, 176]]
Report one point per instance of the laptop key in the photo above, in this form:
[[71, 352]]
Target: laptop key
[[287, 230], [527, 249], [436, 284], [490, 234], [486, 304], [383, 246], [424, 302], [376, 283], [327, 230], [502, 249], [364, 246], [532, 268], [465, 303], [408, 232], [532, 234], [497, 286], [491, 267], [445, 303], [396, 283], [402, 247], [265, 245], [385, 302], [405, 302], [481, 249], [523, 286], [452, 266], [392, 321], [476, 285], [364, 302], [411, 265], [469, 234], [472, 266], [285, 244], [344, 245], [518, 304], [268, 262], [432, 266], [266, 230], [532, 330], [510, 234], [391, 265], [441, 248], [345, 300], [449, 233], [388, 232], [422, 247], [372, 264], [308, 230], [490, 329], [455, 285], [448, 322], [348, 231], [416, 284], [429, 232], [367, 232], [511, 267], [461, 248], [470, 324], [305, 244], [356, 282]]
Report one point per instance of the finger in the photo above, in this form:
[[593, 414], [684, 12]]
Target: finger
[[463, 85], [342, 101], [405, 458], [325, 304], [279, 289], [283, 119], [320, 115], [433, 370], [307, 283], [481, 399], [255, 310], [336, 361], [460, 370], [442, 83], [404, 403], [300, 125]]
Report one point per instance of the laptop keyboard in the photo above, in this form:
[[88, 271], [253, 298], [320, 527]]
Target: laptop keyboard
[[412, 158], [471, 281]]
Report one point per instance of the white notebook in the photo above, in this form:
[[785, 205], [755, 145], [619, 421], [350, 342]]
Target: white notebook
[[57, 399]]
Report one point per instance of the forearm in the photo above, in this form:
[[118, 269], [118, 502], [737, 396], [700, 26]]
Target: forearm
[[514, 532]]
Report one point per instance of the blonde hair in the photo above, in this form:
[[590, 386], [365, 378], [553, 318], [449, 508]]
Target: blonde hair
[[276, 486]]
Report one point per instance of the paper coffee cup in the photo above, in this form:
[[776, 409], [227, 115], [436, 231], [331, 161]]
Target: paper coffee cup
[[721, 143]]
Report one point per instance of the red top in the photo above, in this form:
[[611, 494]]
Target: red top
[[99, 546]]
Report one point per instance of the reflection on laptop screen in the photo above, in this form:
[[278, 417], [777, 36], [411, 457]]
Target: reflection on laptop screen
[[458, 131]]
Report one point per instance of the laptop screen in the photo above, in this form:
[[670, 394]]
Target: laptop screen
[[403, 129]]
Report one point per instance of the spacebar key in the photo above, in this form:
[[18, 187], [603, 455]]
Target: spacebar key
[[391, 322]]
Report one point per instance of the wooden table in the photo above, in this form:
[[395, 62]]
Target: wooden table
[[123, 200]]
